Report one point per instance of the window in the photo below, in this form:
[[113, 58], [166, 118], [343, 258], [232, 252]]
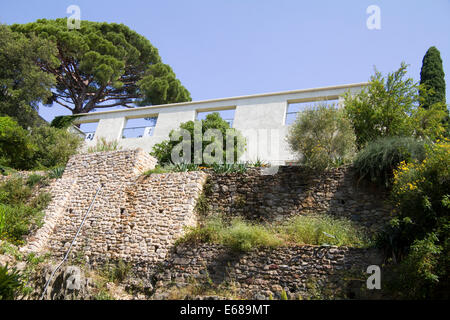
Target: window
[[89, 130], [227, 115], [295, 108], [140, 127]]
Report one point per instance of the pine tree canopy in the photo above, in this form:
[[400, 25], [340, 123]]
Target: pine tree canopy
[[103, 65]]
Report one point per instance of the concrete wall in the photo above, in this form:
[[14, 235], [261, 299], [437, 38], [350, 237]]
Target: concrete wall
[[261, 118]]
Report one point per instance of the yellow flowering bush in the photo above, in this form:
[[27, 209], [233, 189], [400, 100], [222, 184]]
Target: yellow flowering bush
[[420, 231]]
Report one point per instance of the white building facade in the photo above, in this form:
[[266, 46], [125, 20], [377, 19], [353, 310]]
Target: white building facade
[[263, 119]]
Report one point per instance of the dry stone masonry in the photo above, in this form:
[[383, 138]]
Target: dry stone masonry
[[138, 218], [135, 218], [259, 274], [295, 190]]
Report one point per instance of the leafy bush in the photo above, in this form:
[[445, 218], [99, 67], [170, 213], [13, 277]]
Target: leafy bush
[[419, 234], [380, 157], [16, 147], [319, 230], [163, 151], [103, 146], [420, 190], [390, 106], [19, 210], [416, 276], [54, 146], [11, 283], [44, 147], [322, 136]]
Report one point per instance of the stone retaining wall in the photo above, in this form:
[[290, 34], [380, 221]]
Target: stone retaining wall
[[261, 273], [134, 217], [295, 190]]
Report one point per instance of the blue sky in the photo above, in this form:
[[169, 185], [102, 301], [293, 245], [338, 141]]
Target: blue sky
[[224, 48]]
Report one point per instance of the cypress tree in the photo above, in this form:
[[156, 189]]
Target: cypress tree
[[432, 76]]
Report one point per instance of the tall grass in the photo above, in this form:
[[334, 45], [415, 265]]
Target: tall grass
[[379, 158], [323, 229], [241, 235], [103, 145], [238, 234]]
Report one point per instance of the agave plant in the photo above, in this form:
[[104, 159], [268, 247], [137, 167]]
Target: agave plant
[[56, 173]]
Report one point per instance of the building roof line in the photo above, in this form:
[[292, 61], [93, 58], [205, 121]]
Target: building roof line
[[259, 95]]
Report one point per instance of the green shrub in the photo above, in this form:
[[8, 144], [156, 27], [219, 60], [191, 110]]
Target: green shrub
[[322, 137], [391, 106], [16, 146], [19, 210], [417, 276], [44, 147], [103, 146], [162, 151], [14, 191], [323, 229], [418, 238], [11, 283], [34, 179], [379, 158], [419, 192], [54, 146]]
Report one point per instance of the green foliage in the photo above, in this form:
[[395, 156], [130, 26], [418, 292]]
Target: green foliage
[[323, 137], [419, 192], [116, 272], [104, 146], [432, 77], [11, 283], [54, 146], [23, 84], [63, 122], [380, 157], [56, 173], [103, 62], [19, 209], [391, 106], [34, 179], [244, 236], [157, 169], [16, 147], [162, 151], [417, 276], [229, 167], [323, 229], [184, 167], [419, 234], [241, 235], [238, 234], [45, 147]]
